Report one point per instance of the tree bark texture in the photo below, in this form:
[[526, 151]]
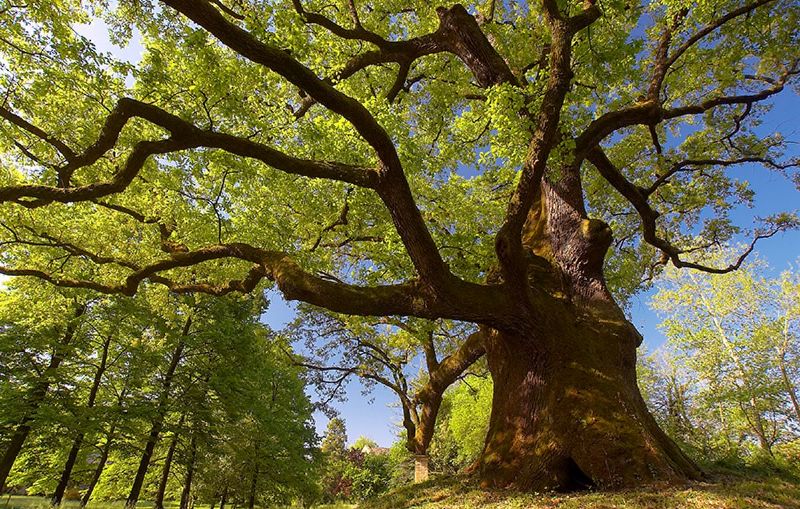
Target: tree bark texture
[[567, 413]]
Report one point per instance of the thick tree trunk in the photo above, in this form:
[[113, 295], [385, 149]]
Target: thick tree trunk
[[567, 413], [36, 397], [72, 457], [158, 421]]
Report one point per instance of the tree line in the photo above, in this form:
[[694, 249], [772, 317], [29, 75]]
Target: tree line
[[156, 397]]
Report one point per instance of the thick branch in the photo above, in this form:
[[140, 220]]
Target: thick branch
[[280, 62], [184, 136], [452, 366], [393, 187], [466, 301], [508, 243]]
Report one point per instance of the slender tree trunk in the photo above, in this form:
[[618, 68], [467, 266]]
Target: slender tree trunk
[[158, 503], [419, 414], [254, 480], [158, 421], [36, 397], [423, 433], [787, 382], [224, 498], [421, 470], [791, 391], [101, 465], [251, 501], [187, 485], [101, 462], [72, 457]]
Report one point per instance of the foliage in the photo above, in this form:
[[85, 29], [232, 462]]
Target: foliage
[[351, 474], [334, 443], [726, 381], [232, 388], [376, 160], [462, 425]]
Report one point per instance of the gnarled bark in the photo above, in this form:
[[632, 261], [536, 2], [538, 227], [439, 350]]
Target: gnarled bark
[[567, 413]]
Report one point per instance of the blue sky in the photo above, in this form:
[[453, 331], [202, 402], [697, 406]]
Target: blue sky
[[377, 415]]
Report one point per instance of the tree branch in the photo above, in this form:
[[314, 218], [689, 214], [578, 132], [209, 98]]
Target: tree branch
[[184, 136], [638, 198], [508, 242]]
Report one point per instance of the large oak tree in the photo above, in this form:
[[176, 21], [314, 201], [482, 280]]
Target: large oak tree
[[472, 163]]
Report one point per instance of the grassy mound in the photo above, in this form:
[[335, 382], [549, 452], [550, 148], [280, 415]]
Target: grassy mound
[[721, 491]]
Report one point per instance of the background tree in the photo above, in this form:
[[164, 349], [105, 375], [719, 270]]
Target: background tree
[[731, 382], [94, 423], [334, 443], [34, 350], [382, 353], [357, 194]]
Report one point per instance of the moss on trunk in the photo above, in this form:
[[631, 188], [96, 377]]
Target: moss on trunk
[[567, 413]]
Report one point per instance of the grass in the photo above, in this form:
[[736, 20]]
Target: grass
[[721, 491], [23, 502]]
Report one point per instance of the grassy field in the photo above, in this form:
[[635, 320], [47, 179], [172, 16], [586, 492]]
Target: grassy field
[[721, 491], [19, 502]]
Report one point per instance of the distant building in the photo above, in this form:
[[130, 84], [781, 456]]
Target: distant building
[[375, 450]]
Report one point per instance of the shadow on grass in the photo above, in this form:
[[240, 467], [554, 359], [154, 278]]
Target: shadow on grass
[[723, 489]]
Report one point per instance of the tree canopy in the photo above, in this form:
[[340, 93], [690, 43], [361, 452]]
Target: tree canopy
[[313, 142]]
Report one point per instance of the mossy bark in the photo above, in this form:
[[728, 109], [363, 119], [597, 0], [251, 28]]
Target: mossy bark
[[567, 413]]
